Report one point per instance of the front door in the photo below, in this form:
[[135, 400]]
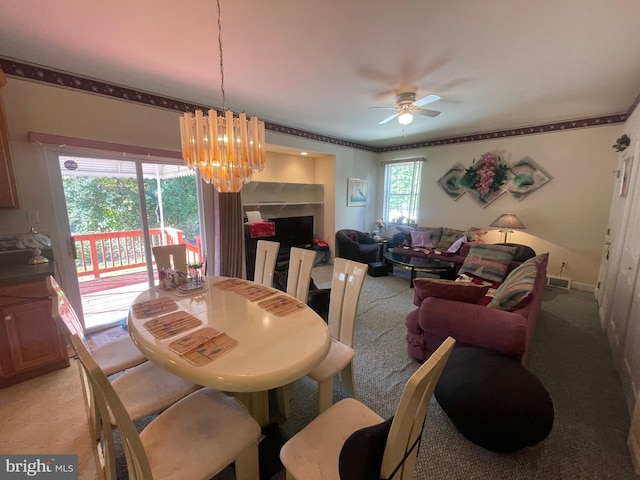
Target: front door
[[612, 248]]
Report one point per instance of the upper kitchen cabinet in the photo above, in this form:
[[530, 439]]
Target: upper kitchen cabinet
[[8, 189]]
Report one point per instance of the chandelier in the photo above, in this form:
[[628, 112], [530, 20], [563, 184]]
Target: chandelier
[[227, 150]]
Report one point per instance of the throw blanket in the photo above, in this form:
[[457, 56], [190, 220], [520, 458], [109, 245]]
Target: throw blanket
[[262, 229]]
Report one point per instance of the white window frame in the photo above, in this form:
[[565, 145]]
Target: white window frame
[[414, 194]]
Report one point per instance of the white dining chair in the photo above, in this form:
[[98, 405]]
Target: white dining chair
[[266, 257], [299, 274], [346, 286], [144, 389], [114, 356], [340, 443], [171, 256], [195, 438], [301, 263]]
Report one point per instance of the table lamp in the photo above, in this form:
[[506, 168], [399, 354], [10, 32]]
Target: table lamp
[[506, 222]]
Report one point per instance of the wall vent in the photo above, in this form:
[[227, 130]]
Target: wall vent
[[559, 282]]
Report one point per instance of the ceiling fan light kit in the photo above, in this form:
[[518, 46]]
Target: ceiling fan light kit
[[407, 106], [405, 118]]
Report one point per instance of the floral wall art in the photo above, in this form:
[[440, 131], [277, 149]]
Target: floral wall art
[[489, 177]]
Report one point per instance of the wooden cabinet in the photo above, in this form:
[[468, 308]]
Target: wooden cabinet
[[8, 189], [30, 343]]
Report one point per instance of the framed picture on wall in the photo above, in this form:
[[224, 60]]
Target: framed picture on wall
[[357, 190], [625, 176]]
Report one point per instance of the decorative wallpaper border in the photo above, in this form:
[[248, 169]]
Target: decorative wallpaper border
[[14, 68]]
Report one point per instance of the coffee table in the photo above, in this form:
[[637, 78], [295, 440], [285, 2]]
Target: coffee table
[[420, 264]]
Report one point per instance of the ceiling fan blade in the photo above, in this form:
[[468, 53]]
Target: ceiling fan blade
[[424, 111], [426, 99], [385, 108], [389, 118]]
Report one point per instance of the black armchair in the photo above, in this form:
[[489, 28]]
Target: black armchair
[[357, 246]]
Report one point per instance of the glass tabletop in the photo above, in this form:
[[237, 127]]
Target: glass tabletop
[[416, 262]]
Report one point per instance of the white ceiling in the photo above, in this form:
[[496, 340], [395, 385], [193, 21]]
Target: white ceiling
[[318, 65]]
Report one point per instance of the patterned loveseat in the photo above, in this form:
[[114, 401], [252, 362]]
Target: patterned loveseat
[[449, 244], [496, 315]]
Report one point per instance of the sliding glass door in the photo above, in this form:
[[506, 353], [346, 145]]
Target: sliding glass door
[[117, 210]]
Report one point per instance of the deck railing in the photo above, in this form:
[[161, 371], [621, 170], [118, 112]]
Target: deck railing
[[98, 253]]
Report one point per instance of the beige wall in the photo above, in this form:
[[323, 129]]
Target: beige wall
[[47, 109], [567, 217], [279, 166]]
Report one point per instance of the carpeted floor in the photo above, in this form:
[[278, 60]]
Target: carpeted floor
[[569, 354]]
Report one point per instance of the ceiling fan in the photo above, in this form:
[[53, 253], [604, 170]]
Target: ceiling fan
[[407, 106]]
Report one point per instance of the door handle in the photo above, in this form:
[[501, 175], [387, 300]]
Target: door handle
[[72, 248]]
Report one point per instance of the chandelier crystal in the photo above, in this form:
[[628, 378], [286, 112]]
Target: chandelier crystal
[[227, 150]]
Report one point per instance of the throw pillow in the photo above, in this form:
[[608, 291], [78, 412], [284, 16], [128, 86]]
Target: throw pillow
[[434, 232], [421, 239], [457, 244], [405, 230], [488, 261], [353, 236], [449, 236], [361, 454], [447, 289], [474, 234], [515, 291], [523, 252]]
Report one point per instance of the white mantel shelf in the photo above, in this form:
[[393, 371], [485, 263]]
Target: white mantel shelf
[[277, 196]]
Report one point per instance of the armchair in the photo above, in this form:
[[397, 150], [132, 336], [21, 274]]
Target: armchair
[[357, 246]]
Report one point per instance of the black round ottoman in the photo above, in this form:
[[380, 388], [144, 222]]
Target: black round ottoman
[[493, 400]]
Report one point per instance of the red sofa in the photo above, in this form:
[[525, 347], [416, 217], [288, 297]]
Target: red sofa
[[475, 325]]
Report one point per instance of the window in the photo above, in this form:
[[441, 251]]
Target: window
[[402, 191]]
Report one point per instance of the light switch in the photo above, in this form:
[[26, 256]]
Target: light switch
[[33, 216]]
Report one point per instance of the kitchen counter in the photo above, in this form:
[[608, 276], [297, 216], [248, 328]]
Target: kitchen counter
[[14, 267]]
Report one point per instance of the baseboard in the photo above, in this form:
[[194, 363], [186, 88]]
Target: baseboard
[[587, 287]]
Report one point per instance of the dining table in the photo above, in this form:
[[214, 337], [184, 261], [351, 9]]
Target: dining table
[[230, 334]]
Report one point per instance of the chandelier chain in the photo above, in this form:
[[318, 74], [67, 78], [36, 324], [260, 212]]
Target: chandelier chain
[[220, 50], [226, 149]]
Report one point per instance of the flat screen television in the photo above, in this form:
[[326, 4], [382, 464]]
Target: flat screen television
[[294, 231]]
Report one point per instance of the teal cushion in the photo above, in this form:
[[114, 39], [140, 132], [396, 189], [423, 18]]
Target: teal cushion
[[448, 237], [516, 289], [488, 261]]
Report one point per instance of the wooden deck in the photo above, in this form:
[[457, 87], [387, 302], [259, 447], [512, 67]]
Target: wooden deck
[[106, 300]]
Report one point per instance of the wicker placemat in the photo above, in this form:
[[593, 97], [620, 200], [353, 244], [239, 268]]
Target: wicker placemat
[[172, 324], [211, 349], [155, 307], [193, 340], [254, 292], [282, 305], [230, 283]]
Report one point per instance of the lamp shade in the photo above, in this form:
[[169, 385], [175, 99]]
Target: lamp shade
[[508, 220]]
